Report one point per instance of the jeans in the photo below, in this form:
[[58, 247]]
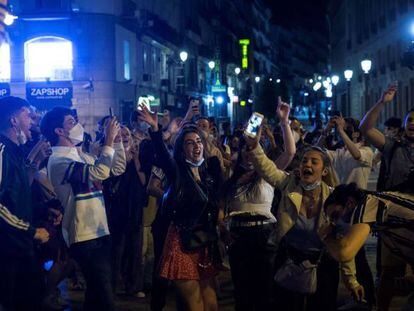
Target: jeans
[[93, 257], [252, 267]]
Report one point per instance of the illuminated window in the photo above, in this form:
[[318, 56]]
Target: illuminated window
[[48, 58], [4, 62], [127, 61]]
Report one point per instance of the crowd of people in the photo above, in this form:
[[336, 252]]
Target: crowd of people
[[181, 199]]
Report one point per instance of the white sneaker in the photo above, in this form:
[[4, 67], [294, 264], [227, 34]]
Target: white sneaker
[[140, 295]]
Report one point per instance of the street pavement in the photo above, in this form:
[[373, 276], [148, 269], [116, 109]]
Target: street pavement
[[226, 301]]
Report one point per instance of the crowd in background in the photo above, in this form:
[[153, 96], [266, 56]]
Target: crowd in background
[[180, 199]]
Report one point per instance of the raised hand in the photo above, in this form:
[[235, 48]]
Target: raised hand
[[389, 93], [111, 131], [339, 121], [252, 142], [150, 117], [282, 110]]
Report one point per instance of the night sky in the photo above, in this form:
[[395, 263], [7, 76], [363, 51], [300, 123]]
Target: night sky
[[306, 13]]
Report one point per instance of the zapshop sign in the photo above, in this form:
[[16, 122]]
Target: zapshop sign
[[46, 95], [4, 89]]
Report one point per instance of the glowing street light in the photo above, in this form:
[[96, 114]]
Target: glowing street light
[[9, 19], [257, 79], [237, 70], [310, 81], [326, 84], [366, 65], [183, 56], [270, 79], [317, 86], [335, 79], [348, 74], [220, 99], [319, 78], [211, 65], [278, 81]]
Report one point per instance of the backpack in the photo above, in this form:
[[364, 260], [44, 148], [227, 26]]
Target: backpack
[[397, 233], [406, 186]]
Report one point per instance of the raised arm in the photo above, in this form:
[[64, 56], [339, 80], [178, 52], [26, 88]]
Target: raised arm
[[265, 167], [350, 145], [165, 161], [367, 127], [283, 111]]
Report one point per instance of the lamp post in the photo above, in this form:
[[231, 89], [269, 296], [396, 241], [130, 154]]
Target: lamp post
[[366, 67], [348, 76], [335, 81]]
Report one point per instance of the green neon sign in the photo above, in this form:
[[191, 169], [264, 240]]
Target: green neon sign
[[245, 52]]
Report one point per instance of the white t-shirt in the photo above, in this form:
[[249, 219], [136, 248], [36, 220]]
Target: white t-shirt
[[256, 202], [350, 170]]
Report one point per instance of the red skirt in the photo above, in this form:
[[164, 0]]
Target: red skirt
[[179, 265]]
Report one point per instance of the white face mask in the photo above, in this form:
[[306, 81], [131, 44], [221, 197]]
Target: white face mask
[[296, 136], [21, 137], [143, 126], [76, 134], [309, 187], [198, 164]]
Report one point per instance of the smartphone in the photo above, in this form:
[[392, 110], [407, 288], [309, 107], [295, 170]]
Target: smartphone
[[111, 112], [253, 125], [143, 101]]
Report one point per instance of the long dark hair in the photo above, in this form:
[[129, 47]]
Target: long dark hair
[[230, 186], [178, 152]]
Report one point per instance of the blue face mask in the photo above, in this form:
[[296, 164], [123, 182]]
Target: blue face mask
[[197, 164]]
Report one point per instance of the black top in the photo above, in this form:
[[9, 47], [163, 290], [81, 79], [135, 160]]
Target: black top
[[16, 213], [190, 203]]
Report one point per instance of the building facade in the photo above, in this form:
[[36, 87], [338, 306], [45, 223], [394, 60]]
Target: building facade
[[92, 55], [378, 30]]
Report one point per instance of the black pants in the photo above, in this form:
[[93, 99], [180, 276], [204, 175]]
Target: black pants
[[252, 268], [327, 286], [20, 283], [159, 285], [93, 257], [127, 260], [364, 275]]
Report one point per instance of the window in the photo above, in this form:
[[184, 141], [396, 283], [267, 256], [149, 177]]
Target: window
[[127, 60], [4, 62], [48, 58]]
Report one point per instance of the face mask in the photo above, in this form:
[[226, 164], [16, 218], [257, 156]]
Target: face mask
[[296, 136], [76, 134], [143, 126], [309, 187], [21, 137], [197, 164]]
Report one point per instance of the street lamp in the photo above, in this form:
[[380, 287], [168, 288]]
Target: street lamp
[[278, 81], [257, 79], [317, 86], [348, 76], [237, 70], [335, 81], [183, 56], [366, 67], [310, 81], [9, 19], [211, 65]]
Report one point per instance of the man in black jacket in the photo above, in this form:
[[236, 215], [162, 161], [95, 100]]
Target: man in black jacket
[[19, 279]]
